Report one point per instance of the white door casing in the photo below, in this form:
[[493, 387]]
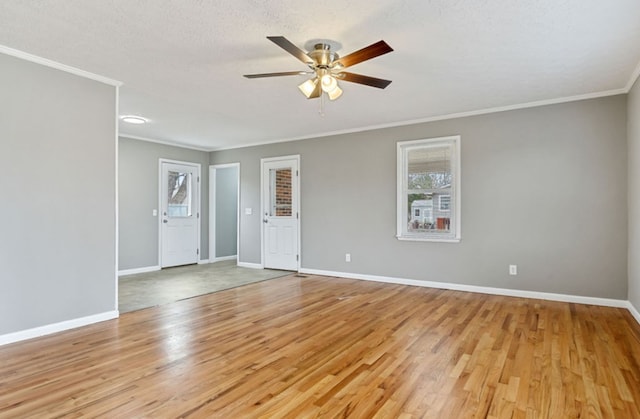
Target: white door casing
[[179, 213], [280, 213]]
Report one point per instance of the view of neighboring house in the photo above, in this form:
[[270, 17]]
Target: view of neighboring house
[[431, 213]]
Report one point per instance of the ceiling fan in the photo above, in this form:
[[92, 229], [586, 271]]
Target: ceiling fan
[[327, 67]]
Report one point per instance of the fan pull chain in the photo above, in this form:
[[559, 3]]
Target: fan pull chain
[[321, 110]]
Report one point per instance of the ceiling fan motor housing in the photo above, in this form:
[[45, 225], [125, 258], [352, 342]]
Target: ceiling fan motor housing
[[322, 56]]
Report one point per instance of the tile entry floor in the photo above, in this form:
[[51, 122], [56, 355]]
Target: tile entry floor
[[150, 289]]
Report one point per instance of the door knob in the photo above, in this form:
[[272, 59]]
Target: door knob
[[165, 221], [265, 221]]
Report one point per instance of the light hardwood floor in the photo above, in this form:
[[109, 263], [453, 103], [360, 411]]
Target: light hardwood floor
[[331, 347]]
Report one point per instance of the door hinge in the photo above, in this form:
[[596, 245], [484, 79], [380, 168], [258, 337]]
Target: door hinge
[[197, 215], [297, 215], [297, 258], [197, 251], [198, 178], [297, 173]]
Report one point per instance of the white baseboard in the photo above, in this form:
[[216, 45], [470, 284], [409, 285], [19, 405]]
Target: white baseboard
[[57, 327], [250, 265], [608, 302], [223, 258], [138, 270], [204, 261], [633, 311]]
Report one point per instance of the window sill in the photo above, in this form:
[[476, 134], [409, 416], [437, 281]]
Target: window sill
[[429, 239]]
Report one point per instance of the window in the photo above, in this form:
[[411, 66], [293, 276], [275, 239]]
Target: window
[[429, 185], [179, 199], [280, 191], [445, 202]]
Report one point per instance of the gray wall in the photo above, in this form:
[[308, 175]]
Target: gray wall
[[544, 188], [226, 211], [633, 133], [138, 195], [57, 153]]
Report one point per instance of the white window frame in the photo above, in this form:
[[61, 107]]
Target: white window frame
[[403, 148]]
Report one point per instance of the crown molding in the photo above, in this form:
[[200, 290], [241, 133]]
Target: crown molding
[[58, 66], [485, 111], [632, 80], [169, 143]]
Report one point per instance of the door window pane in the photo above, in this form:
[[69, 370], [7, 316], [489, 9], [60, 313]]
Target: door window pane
[[280, 192], [179, 194]]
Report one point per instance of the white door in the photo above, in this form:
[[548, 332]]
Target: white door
[[280, 216], [179, 210]]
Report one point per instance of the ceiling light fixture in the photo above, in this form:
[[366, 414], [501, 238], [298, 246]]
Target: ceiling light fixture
[[133, 119]]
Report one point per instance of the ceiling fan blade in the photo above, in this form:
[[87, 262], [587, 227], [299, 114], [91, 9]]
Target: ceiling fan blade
[[366, 80], [286, 45], [364, 54], [282, 73]]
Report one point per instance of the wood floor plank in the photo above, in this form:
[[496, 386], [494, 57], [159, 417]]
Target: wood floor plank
[[333, 347]]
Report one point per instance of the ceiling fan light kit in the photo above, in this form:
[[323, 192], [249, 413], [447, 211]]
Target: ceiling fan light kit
[[327, 67]]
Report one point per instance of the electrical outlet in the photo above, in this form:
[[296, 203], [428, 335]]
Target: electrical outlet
[[513, 269], [347, 257]]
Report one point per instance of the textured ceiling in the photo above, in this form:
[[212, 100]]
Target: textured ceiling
[[182, 62]]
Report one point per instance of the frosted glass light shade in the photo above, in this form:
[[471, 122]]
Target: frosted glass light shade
[[308, 87], [335, 93], [329, 83]]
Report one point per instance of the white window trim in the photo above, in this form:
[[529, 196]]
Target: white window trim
[[401, 233]]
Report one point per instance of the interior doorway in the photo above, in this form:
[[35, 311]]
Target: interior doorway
[[224, 202]]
